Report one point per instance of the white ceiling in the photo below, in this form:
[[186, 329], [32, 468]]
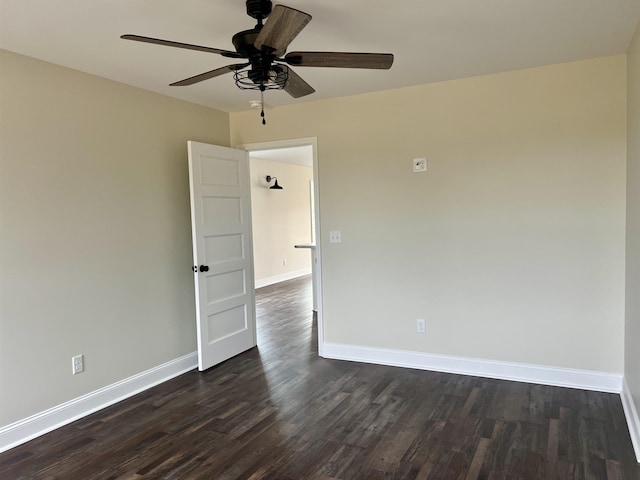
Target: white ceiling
[[302, 156], [432, 40]]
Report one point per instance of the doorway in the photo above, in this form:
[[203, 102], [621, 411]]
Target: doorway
[[281, 187], [306, 147]]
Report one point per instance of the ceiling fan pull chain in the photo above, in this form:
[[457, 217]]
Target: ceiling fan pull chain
[[264, 121]]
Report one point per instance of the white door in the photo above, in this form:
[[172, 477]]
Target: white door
[[222, 252]]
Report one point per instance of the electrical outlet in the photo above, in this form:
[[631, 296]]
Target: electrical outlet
[[335, 236], [421, 325], [419, 165], [284, 262], [77, 364]]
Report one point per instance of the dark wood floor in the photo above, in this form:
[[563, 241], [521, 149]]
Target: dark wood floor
[[280, 412]]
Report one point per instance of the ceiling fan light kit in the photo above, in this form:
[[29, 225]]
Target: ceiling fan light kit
[[263, 48]]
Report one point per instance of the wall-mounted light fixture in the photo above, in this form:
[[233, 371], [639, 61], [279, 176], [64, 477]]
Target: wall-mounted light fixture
[[275, 185]]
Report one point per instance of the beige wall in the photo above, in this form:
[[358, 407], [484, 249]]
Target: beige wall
[[632, 333], [511, 246], [96, 241], [281, 219]]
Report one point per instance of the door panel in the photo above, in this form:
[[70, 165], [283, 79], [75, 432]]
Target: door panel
[[221, 231], [224, 286], [223, 248]]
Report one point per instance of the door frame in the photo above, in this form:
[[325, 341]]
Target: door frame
[[304, 142]]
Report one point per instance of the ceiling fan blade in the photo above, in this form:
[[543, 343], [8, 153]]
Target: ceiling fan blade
[[281, 27], [296, 86], [188, 46], [340, 60], [207, 75]]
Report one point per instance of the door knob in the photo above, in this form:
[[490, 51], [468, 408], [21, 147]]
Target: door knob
[[204, 268]]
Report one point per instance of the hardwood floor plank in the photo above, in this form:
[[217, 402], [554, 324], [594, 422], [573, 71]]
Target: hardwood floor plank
[[280, 412], [552, 449], [478, 458]]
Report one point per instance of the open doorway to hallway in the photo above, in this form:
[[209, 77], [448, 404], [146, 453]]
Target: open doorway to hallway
[[311, 228], [282, 217]]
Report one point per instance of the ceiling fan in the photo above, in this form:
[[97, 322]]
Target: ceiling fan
[[266, 67]]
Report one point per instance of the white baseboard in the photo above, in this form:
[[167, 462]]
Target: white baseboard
[[631, 413], [562, 377], [263, 282], [29, 428]]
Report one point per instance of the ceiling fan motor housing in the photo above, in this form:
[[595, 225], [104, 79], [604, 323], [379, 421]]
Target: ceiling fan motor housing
[[259, 9], [260, 61], [243, 42]]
